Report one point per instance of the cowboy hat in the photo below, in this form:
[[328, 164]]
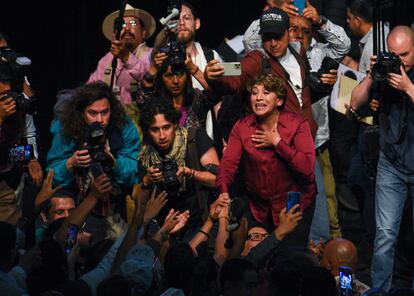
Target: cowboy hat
[[145, 17]]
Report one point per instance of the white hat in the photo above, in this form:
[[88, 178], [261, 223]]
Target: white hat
[[145, 17]]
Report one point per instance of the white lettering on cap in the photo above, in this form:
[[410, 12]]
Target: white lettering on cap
[[271, 17]]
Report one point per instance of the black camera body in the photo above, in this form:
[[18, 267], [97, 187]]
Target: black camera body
[[176, 55], [27, 106], [19, 65], [314, 79], [169, 169], [96, 147], [387, 63]]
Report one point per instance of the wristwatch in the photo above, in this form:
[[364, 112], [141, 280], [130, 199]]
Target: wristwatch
[[324, 20]]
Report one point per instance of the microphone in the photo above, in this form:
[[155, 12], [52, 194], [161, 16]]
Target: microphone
[[174, 13]]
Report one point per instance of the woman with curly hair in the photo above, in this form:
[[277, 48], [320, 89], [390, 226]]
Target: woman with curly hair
[[91, 110]]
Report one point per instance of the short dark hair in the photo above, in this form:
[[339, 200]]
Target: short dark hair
[[362, 9], [179, 264], [73, 123], [319, 281], [192, 8], [154, 106], [233, 271], [47, 204]]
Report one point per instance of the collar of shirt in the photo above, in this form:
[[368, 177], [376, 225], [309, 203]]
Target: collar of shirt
[[280, 121], [365, 38]]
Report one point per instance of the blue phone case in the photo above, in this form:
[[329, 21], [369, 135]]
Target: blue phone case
[[300, 4], [293, 198]]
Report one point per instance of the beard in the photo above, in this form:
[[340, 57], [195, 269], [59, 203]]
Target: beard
[[185, 37]]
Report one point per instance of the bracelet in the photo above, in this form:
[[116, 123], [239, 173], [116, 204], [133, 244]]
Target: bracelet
[[164, 236], [191, 174], [205, 233], [196, 70]]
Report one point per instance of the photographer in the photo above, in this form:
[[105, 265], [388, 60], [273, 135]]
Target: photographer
[[395, 169], [180, 161], [17, 131], [94, 131]]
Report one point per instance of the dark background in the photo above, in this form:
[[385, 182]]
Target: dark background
[[64, 39]]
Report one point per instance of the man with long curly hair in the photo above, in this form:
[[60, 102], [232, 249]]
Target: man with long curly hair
[[71, 155]]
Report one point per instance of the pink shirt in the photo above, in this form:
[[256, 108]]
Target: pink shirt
[[134, 69]]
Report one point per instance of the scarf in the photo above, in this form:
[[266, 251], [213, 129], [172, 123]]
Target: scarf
[[149, 156]]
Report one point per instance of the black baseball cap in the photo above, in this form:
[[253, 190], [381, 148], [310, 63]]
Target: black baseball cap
[[274, 20]]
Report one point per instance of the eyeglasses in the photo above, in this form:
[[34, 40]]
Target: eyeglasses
[[132, 23], [256, 236]]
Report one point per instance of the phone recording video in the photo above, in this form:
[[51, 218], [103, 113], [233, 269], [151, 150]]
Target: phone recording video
[[71, 236], [345, 280], [21, 153]]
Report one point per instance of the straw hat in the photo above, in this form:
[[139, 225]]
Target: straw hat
[[145, 17]]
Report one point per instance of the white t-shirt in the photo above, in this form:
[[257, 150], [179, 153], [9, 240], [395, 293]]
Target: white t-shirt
[[292, 67]]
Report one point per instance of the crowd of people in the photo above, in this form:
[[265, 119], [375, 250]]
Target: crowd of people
[[168, 176]]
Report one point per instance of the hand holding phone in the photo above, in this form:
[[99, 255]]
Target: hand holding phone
[[71, 237], [293, 198]]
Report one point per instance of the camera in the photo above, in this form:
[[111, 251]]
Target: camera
[[19, 65], [23, 104], [169, 169], [96, 147], [345, 281], [314, 79], [176, 55], [386, 63]]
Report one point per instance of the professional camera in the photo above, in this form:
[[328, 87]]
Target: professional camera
[[96, 147], [314, 79], [176, 55], [387, 63], [27, 106], [19, 65], [169, 168]]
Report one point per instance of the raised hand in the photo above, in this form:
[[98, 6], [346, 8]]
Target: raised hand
[[47, 190], [288, 222], [154, 205]]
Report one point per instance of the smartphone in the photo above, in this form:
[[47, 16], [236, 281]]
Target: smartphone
[[231, 69], [345, 280], [71, 236], [293, 198], [300, 4], [21, 153], [96, 169]]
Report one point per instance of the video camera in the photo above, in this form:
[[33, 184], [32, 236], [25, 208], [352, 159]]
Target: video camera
[[169, 169], [387, 62], [96, 147], [19, 65], [314, 79], [176, 55]]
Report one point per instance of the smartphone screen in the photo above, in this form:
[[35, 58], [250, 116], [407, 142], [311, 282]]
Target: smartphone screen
[[345, 280], [71, 236], [293, 198], [21, 153], [300, 4]]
